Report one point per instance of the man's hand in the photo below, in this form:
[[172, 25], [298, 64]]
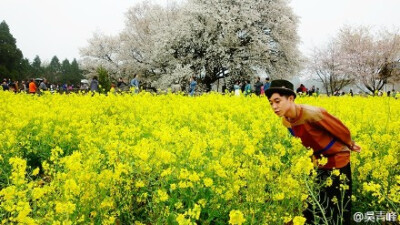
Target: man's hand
[[356, 148]]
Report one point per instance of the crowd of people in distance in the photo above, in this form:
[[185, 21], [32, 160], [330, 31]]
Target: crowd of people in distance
[[35, 86], [239, 87], [246, 88]]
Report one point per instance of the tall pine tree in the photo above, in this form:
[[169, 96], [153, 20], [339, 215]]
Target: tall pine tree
[[65, 71], [53, 71], [25, 70], [10, 55], [76, 73], [37, 69]]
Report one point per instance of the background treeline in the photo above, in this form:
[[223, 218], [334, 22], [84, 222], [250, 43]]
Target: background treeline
[[14, 66]]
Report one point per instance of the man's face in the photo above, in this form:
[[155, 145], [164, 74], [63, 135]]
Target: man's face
[[280, 104]]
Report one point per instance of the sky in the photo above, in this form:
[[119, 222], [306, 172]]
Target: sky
[[61, 27]]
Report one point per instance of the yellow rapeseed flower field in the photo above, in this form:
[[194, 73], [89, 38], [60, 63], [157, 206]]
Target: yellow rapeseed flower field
[[173, 159]]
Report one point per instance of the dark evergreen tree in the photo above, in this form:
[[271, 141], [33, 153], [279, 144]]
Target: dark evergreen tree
[[65, 72], [37, 69], [10, 55], [53, 70], [24, 71], [76, 73]]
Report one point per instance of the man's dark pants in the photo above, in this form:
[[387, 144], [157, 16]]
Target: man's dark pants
[[333, 209]]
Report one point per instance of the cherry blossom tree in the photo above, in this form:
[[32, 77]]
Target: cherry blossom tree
[[211, 38], [328, 66], [367, 55]]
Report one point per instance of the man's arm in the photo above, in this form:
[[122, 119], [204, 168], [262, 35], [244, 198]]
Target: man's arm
[[336, 128]]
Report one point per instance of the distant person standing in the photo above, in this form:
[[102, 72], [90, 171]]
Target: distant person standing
[[43, 86], [121, 85], [13, 87], [16, 86], [302, 89], [393, 93], [336, 92], [247, 88], [65, 87], [52, 88], [257, 86], [267, 84], [94, 85], [135, 83], [22, 87], [311, 91], [176, 87], [113, 90], [4, 85], [32, 87], [236, 87], [224, 88], [192, 86], [84, 87]]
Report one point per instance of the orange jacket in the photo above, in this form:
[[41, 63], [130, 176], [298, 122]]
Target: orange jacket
[[32, 87], [324, 133]]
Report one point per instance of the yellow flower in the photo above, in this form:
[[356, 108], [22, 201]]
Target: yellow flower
[[195, 212], [162, 195], [37, 193], [304, 197], [93, 213], [178, 205], [35, 172], [334, 200], [287, 219], [65, 207], [182, 220], [344, 187], [174, 156], [107, 204], [18, 170], [323, 161], [202, 202], [70, 186], [166, 172], [139, 184], [208, 182], [279, 196], [336, 172], [328, 182], [299, 220], [236, 217], [194, 177]]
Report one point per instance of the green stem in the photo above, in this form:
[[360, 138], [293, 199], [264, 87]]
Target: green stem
[[318, 204]]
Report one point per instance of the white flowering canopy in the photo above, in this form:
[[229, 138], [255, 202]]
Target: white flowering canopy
[[206, 37]]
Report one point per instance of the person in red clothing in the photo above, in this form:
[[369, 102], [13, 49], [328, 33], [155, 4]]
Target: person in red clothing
[[328, 137], [32, 87]]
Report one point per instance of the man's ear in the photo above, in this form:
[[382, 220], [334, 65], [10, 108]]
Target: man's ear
[[291, 98]]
